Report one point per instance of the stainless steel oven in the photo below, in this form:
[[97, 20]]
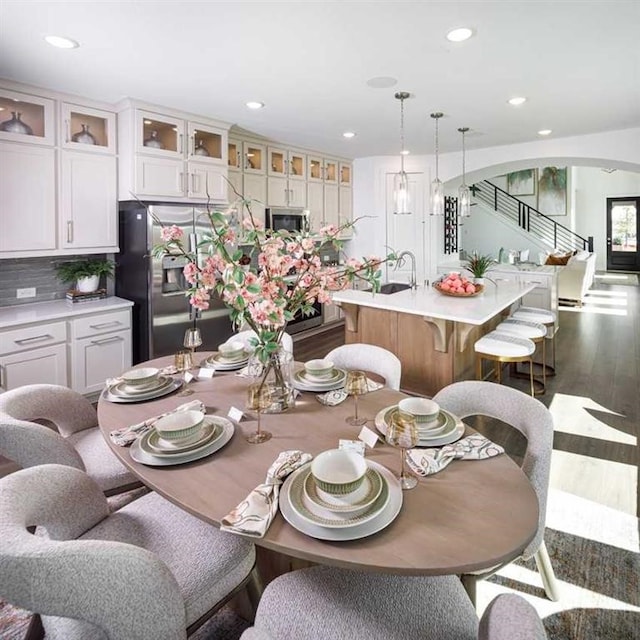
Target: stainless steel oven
[[280, 219]]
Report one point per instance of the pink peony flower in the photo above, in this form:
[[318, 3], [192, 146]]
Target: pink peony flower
[[169, 234]]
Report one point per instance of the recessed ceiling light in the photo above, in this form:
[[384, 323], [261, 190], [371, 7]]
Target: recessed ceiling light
[[405, 152], [255, 105], [348, 134], [516, 102], [460, 35], [61, 42], [544, 132], [382, 82]]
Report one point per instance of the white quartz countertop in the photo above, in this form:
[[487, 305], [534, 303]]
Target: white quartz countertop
[[57, 309], [499, 267], [426, 301]]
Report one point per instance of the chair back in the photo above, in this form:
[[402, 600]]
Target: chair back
[[370, 358], [522, 412]]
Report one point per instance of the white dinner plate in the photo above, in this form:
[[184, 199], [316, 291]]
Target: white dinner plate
[[124, 390], [355, 532], [152, 443], [219, 363], [175, 383], [143, 457], [301, 383], [450, 435]]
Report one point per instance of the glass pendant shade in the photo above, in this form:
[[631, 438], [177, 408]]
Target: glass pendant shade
[[401, 199], [464, 201], [437, 198]]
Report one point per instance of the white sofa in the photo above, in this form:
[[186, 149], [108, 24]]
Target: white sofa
[[575, 279]]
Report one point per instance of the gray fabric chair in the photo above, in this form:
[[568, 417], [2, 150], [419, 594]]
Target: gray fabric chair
[[369, 358], [535, 422], [46, 423], [324, 602], [149, 571]]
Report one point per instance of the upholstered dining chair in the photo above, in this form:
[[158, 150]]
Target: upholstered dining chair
[[535, 422], [325, 602], [370, 358], [149, 571], [46, 423], [244, 336]]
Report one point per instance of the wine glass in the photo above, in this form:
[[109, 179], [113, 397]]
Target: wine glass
[[192, 340], [403, 433], [183, 362], [259, 399], [355, 385]]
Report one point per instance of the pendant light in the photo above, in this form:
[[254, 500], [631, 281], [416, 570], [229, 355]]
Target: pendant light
[[401, 180], [437, 188], [464, 193]]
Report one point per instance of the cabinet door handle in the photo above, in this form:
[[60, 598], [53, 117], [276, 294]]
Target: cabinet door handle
[[106, 325], [69, 231], [107, 340], [181, 182], [46, 336], [180, 137], [1, 383], [193, 182], [193, 144]]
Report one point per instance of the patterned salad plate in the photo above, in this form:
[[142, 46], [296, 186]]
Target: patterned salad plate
[[302, 382], [452, 428], [120, 392], [216, 361]]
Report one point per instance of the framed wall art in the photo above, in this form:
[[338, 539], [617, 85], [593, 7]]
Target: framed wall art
[[522, 183], [552, 191]]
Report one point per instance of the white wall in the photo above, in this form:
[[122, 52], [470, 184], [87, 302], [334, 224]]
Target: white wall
[[619, 149]]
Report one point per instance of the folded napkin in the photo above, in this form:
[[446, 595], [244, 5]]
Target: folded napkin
[[126, 436], [335, 397], [169, 370], [425, 462], [254, 514]]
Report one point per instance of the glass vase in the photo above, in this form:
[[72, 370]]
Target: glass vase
[[277, 373]]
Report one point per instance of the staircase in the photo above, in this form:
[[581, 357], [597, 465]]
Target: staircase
[[544, 228]]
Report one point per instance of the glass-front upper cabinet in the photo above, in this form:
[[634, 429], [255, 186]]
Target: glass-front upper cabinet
[[331, 171], [207, 144], [297, 166], [277, 165], [255, 156], [159, 135], [345, 174], [234, 155], [88, 129], [315, 166], [283, 162], [26, 118]]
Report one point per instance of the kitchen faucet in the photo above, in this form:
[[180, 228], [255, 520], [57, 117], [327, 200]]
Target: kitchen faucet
[[413, 283]]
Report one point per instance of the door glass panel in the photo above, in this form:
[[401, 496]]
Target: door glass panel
[[160, 135], [254, 158], [315, 169], [297, 165], [277, 162], [234, 154], [17, 116], [207, 144], [86, 129], [331, 172], [624, 227], [345, 174]]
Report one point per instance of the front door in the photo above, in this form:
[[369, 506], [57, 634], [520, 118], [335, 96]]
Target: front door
[[622, 234]]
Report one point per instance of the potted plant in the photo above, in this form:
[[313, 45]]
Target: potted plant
[[85, 274], [478, 266]]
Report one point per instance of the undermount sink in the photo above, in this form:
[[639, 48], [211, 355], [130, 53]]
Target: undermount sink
[[394, 287]]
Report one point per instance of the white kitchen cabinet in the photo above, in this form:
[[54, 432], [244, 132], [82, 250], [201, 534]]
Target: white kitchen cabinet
[[234, 155], [88, 201], [331, 204], [282, 192], [86, 129], [254, 158], [206, 181], [345, 200], [255, 189], [315, 205], [27, 118], [100, 347], [27, 199]]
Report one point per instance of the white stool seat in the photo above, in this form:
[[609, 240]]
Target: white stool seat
[[522, 328], [504, 345], [534, 314]]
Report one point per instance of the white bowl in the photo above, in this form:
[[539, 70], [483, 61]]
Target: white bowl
[[140, 377], [319, 368], [338, 471], [234, 349], [179, 425], [423, 409]]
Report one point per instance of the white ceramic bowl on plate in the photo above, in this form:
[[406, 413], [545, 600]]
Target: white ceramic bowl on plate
[[179, 425], [232, 350], [319, 368], [143, 376], [338, 471], [426, 411]]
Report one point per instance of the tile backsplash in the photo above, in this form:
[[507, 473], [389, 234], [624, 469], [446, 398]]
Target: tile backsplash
[[22, 273]]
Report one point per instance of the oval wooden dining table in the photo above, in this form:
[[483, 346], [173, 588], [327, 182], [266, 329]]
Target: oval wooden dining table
[[472, 515]]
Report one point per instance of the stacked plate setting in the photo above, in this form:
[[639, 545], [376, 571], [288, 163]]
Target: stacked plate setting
[[230, 356], [141, 384], [319, 375]]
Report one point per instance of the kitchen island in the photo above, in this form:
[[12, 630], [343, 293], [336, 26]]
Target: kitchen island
[[432, 334]]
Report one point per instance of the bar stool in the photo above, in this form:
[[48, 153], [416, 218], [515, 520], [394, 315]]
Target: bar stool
[[504, 348], [534, 331], [548, 319]]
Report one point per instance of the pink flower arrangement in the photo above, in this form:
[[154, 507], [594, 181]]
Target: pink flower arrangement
[[289, 278]]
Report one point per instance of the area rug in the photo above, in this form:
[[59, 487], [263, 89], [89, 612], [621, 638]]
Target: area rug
[[617, 277]]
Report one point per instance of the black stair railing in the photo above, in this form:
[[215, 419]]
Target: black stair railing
[[530, 219]]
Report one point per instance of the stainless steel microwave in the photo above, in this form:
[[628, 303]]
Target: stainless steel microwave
[[294, 220]]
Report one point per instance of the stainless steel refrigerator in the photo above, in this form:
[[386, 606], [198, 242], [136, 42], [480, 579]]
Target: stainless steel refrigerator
[[161, 311]]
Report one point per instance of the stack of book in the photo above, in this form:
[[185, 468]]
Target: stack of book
[[80, 296]]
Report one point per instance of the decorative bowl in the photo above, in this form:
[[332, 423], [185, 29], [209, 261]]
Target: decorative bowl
[[338, 472], [478, 291], [423, 409], [179, 425], [140, 377], [232, 350], [319, 368]]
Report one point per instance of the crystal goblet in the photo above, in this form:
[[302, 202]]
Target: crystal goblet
[[402, 432], [356, 385], [259, 397]]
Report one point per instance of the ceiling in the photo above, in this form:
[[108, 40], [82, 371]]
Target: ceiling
[[577, 62]]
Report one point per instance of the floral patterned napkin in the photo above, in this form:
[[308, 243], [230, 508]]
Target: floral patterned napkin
[[256, 512], [335, 397], [127, 436], [425, 462]]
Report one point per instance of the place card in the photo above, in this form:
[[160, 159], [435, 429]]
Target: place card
[[206, 372], [370, 438], [357, 446], [188, 377], [235, 414]]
